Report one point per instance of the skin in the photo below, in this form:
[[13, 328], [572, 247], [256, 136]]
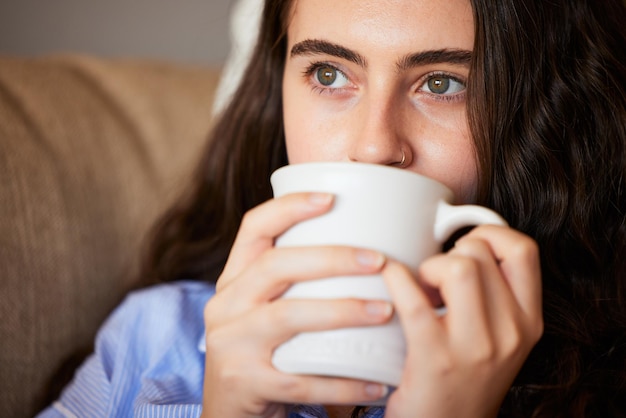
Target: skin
[[458, 365], [379, 107]]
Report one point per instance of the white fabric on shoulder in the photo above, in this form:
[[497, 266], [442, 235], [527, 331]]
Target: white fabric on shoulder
[[244, 28]]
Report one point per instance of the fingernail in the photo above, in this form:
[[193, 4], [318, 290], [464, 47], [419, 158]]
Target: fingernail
[[376, 391], [379, 309], [320, 199], [370, 258]]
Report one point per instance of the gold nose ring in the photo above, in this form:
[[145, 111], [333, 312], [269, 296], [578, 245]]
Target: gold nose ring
[[403, 160]]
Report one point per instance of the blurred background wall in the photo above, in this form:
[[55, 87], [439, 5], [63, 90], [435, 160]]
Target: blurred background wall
[[194, 31]]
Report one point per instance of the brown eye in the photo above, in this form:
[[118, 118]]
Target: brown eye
[[439, 85], [443, 85], [326, 75]]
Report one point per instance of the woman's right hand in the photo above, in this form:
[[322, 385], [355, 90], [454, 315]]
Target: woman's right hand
[[246, 319]]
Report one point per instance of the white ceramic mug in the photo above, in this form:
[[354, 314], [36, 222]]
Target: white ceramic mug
[[403, 215]]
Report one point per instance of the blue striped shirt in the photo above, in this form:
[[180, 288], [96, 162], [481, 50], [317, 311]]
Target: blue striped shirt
[[149, 360]]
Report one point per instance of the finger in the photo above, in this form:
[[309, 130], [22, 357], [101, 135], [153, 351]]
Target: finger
[[257, 333], [502, 311], [256, 336], [302, 389], [415, 311], [459, 280], [276, 322], [261, 225], [283, 388], [518, 258], [498, 293], [272, 273]]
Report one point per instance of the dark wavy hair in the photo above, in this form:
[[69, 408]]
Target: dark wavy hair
[[547, 111]]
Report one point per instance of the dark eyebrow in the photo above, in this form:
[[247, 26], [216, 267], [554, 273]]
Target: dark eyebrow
[[439, 56], [316, 46]]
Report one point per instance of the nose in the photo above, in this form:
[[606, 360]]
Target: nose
[[377, 136]]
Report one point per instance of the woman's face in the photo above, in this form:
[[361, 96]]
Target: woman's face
[[366, 80]]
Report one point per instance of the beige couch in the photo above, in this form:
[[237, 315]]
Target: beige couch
[[91, 151]]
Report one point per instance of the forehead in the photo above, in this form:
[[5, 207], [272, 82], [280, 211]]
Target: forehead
[[406, 25]]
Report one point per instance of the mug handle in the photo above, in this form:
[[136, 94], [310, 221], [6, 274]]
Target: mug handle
[[451, 218]]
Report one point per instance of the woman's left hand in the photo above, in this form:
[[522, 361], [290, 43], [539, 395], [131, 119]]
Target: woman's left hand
[[461, 364]]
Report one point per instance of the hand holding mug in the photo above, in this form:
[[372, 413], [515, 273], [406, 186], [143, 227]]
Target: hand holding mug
[[405, 216]]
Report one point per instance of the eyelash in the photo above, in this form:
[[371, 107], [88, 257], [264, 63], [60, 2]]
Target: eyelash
[[316, 87], [454, 97]]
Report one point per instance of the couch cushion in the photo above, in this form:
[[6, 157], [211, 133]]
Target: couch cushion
[[91, 150]]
